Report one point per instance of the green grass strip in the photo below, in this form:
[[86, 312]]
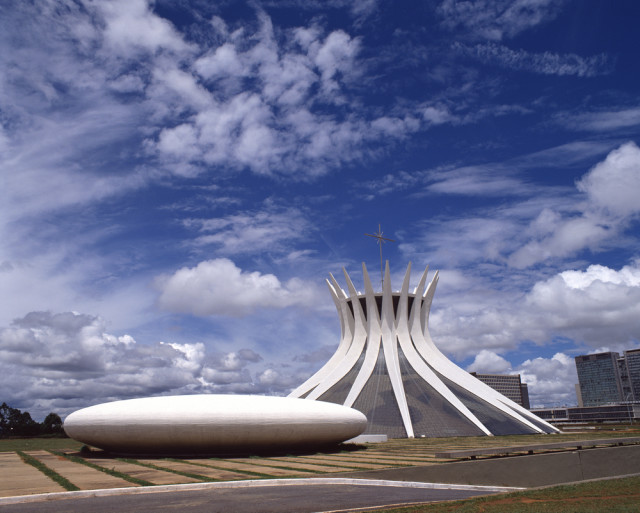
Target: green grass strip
[[111, 472], [49, 472], [199, 477]]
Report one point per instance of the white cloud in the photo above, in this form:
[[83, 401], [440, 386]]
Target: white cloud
[[335, 58], [565, 237], [69, 357], [601, 121], [266, 105], [610, 205], [614, 183], [497, 19], [597, 306], [475, 180], [64, 361], [546, 63], [131, 27], [437, 115], [550, 380], [276, 382], [271, 230], [531, 228], [218, 287], [488, 362], [223, 62]]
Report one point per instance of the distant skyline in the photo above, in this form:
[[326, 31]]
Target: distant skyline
[[178, 178]]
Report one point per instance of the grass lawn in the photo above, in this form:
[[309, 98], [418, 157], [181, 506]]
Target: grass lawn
[[35, 444], [610, 496]]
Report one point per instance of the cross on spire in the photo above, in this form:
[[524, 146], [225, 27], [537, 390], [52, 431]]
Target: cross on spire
[[380, 240]]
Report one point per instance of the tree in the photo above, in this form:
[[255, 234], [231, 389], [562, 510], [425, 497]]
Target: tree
[[52, 424], [13, 422]]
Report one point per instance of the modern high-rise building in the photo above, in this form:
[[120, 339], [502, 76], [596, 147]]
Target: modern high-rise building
[[509, 385], [387, 366], [524, 392], [626, 389], [632, 360], [608, 378], [599, 378]]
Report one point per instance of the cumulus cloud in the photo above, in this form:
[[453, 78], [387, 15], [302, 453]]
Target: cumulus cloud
[[219, 287], [596, 306], [613, 183], [531, 228], [250, 97], [488, 362], [551, 381], [63, 361], [609, 188], [265, 103], [276, 381], [131, 27]]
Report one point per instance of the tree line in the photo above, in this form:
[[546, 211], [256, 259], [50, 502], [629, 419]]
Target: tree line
[[14, 422]]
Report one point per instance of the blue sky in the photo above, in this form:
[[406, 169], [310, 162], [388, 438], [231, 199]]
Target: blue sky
[[179, 178]]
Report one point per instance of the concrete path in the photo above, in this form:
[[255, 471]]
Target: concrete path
[[88, 477], [151, 475], [18, 478], [251, 469]]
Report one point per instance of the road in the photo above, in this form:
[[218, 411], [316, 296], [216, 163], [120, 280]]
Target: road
[[292, 497]]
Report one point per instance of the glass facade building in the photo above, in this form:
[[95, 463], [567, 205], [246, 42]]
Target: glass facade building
[[608, 378], [599, 378], [632, 360]]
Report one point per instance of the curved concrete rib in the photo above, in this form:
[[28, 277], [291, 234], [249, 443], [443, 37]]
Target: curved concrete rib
[[390, 348], [355, 349], [444, 366], [374, 334], [346, 339], [406, 337]]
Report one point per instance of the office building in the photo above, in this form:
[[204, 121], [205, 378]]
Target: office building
[[608, 378], [599, 378], [509, 385], [610, 413], [632, 360]]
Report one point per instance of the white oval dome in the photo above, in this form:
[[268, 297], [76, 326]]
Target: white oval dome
[[212, 423]]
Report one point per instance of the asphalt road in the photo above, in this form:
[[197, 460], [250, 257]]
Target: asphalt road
[[294, 498]]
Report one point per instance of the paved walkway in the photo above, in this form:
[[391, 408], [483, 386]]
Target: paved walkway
[[90, 478], [18, 478]]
